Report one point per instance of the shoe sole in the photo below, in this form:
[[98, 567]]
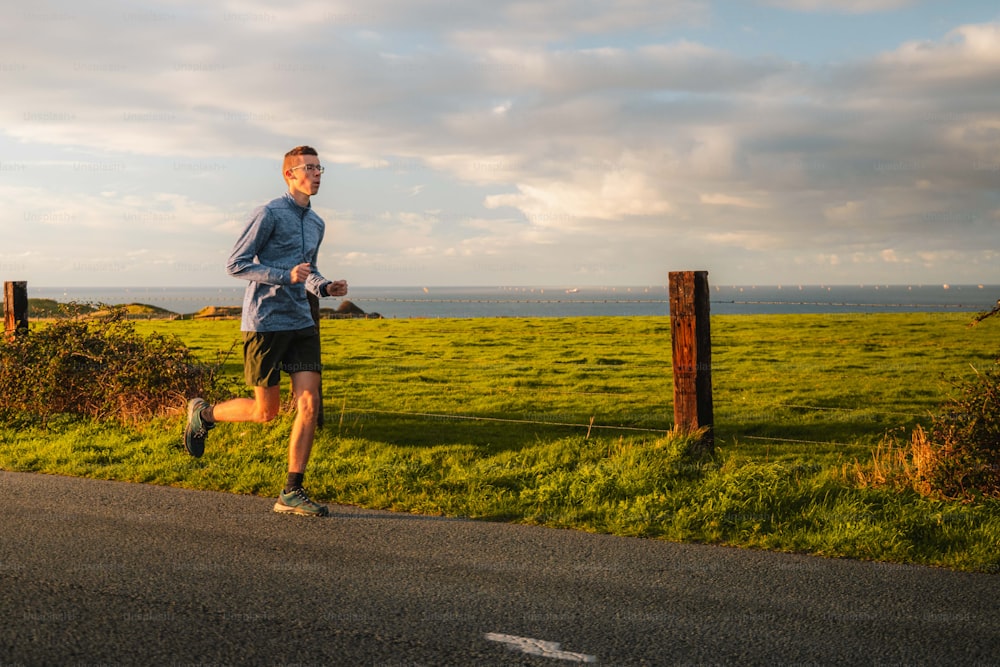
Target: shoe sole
[[287, 509], [188, 439]]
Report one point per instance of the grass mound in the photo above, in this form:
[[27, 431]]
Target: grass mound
[[141, 309], [217, 312]]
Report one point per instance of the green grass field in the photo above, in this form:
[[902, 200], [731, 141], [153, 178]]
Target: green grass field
[[565, 422]]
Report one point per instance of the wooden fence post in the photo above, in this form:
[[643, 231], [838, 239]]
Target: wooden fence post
[[692, 352], [15, 308]]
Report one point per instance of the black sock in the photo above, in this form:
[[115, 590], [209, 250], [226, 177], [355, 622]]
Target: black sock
[[294, 481], [206, 414]]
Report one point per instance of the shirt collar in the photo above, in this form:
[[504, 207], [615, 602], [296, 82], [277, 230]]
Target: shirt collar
[[291, 200]]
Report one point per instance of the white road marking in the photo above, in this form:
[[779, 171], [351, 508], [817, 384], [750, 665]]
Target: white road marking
[[538, 647]]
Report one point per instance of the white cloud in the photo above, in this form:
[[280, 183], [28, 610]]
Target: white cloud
[[844, 6], [722, 199], [848, 212], [970, 51], [104, 238], [752, 240], [889, 256], [566, 205]]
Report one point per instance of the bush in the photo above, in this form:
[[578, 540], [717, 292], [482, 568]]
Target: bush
[[959, 458], [967, 440], [98, 367]]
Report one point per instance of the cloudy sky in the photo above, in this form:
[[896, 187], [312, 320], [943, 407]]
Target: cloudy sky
[[507, 142]]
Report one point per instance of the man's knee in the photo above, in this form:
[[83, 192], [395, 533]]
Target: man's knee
[[267, 405], [308, 403], [264, 414]]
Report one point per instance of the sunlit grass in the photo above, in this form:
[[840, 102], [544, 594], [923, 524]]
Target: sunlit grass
[[565, 422]]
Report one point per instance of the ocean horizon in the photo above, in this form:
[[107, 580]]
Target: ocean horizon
[[568, 301]]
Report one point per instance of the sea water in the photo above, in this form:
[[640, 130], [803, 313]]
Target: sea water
[[431, 301]]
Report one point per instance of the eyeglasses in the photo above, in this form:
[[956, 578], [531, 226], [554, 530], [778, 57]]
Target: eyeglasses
[[311, 168]]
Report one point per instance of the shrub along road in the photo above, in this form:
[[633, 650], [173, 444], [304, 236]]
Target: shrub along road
[[115, 573]]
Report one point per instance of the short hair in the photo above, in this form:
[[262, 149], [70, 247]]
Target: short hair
[[298, 150]]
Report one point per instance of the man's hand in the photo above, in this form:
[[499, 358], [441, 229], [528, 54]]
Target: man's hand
[[301, 272], [337, 288]]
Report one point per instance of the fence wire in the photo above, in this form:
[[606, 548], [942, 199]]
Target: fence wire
[[661, 423], [431, 415], [593, 426]]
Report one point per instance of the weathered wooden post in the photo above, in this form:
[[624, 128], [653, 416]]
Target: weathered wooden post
[[15, 308], [692, 352]]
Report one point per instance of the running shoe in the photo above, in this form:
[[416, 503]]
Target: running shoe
[[297, 502], [197, 428]]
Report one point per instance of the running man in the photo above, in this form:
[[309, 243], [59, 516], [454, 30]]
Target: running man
[[277, 254]]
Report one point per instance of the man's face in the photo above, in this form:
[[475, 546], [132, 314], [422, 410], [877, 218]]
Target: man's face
[[303, 175]]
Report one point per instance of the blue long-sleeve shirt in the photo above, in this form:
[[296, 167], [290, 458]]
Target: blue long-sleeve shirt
[[280, 235]]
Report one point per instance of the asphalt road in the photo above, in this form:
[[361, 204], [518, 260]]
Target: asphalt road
[[107, 573]]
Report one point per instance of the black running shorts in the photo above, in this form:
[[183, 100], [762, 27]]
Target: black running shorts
[[267, 353]]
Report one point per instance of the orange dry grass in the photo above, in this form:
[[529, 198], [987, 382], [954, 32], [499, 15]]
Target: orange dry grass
[[908, 466]]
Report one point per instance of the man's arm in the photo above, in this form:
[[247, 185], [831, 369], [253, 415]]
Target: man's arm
[[242, 262], [320, 286], [315, 283]]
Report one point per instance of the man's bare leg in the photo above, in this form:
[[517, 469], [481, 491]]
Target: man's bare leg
[[263, 407], [305, 389], [293, 499]]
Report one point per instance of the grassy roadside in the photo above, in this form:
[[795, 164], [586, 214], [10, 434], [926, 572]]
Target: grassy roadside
[[489, 419]]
